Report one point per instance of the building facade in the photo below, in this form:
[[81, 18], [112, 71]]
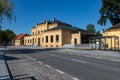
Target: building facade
[[55, 33], [112, 35], [19, 40]]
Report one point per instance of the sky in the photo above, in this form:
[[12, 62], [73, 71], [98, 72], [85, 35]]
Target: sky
[[78, 13]]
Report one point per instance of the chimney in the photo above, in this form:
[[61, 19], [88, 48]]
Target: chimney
[[53, 19], [44, 21]]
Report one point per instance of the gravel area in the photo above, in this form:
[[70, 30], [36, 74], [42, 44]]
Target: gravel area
[[26, 68]]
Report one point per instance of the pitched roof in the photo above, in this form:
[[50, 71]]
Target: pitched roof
[[54, 21], [117, 26], [66, 28], [20, 36], [58, 21]]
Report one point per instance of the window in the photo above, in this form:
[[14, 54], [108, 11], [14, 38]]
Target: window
[[57, 38], [35, 40], [25, 41], [46, 39], [28, 41], [38, 32], [42, 40], [51, 38], [33, 33]]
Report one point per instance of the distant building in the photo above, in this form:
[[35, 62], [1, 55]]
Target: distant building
[[19, 40], [112, 36], [56, 33]]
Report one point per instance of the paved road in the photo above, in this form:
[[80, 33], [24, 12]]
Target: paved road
[[83, 68]]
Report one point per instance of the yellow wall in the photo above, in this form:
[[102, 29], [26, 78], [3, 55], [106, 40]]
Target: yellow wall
[[112, 32], [66, 37], [76, 36], [42, 30], [19, 42], [52, 25], [49, 34]]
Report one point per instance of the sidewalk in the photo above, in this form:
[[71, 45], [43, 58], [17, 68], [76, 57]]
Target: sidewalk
[[3, 70], [24, 67], [107, 55]]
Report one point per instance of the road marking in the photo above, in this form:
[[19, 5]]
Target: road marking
[[60, 71], [74, 78], [114, 60], [98, 57], [29, 57], [53, 55], [81, 61], [48, 66], [34, 59], [86, 55], [26, 55], [39, 62]]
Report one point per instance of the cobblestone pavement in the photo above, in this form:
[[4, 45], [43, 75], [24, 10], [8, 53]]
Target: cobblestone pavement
[[24, 67]]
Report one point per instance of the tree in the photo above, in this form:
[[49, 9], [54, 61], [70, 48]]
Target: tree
[[6, 10], [110, 10], [91, 29], [98, 32], [2, 36], [9, 35], [6, 36]]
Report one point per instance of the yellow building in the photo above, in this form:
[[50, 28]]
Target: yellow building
[[19, 40], [55, 33], [112, 36]]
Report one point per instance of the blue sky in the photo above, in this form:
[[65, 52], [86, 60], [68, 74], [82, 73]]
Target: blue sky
[[79, 13]]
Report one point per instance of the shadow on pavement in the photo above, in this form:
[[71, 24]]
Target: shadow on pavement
[[7, 57], [27, 51]]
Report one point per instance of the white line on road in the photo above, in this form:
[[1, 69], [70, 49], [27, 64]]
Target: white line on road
[[34, 59], [53, 55], [98, 57], [114, 60], [39, 62], [81, 61], [74, 78], [29, 57], [60, 71], [48, 66]]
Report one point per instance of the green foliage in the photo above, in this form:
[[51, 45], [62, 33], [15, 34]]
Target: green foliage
[[91, 29], [6, 10], [2, 36], [98, 32], [110, 10], [6, 36]]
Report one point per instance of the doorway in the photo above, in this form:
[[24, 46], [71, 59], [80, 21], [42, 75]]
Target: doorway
[[75, 41], [38, 41]]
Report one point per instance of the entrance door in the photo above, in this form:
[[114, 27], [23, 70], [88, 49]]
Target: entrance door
[[33, 41], [75, 41], [38, 41]]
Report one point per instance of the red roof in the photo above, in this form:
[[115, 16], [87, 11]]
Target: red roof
[[20, 36]]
